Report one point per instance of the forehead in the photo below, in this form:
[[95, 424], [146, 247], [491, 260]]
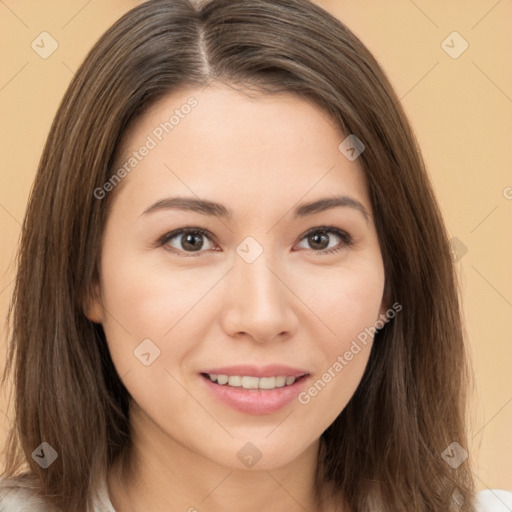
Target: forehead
[[222, 142]]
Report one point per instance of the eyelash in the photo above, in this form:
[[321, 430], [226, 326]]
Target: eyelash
[[346, 239]]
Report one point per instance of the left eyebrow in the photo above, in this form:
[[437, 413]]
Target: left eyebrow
[[327, 203]]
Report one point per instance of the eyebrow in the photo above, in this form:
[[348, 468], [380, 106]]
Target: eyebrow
[[214, 209]]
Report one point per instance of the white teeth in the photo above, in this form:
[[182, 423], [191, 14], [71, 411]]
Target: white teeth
[[267, 383], [235, 381], [222, 379], [248, 382], [281, 381]]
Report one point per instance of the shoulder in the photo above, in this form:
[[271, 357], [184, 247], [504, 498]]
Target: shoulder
[[493, 500], [16, 495]]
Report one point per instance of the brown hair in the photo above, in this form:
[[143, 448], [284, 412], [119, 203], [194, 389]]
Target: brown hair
[[411, 402]]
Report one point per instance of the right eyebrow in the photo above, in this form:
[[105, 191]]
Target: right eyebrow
[[189, 203]]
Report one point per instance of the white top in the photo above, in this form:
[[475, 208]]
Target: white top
[[18, 499]]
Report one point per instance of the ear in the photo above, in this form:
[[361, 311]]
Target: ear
[[93, 308]]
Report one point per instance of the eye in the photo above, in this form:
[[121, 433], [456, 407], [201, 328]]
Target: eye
[[322, 240], [326, 239], [189, 240]]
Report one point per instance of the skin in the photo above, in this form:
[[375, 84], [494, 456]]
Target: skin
[[261, 157]]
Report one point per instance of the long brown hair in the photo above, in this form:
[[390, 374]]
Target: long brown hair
[[411, 403]]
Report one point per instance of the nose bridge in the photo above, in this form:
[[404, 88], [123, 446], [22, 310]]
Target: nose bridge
[[259, 301], [258, 284]]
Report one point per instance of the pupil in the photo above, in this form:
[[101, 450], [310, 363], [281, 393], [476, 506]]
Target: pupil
[[189, 241], [319, 239]]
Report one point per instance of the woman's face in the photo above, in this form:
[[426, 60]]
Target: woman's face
[[265, 281]]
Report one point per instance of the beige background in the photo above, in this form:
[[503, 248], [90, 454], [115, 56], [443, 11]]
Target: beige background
[[461, 110]]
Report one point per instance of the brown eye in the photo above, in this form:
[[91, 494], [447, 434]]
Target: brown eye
[[326, 240], [319, 240], [188, 240]]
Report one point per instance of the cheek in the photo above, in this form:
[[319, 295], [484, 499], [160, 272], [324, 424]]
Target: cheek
[[144, 298], [348, 302], [149, 298]]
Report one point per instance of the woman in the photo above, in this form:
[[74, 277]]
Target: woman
[[235, 288]]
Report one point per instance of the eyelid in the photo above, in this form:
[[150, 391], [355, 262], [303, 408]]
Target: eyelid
[[347, 240], [171, 234], [327, 229], [195, 230]]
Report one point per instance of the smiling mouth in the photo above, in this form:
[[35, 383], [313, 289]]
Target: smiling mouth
[[252, 383]]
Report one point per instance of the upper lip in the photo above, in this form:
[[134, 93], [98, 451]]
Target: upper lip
[[270, 370]]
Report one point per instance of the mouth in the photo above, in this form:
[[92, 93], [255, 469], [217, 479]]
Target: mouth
[[251, 382], [253, 390]]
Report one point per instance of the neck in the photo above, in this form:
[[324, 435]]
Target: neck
[[158, 473]]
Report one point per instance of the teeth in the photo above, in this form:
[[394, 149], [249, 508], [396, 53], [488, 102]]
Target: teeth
[[281, 381], [266, 383], [248, 382], [222, 379], [235, 381]]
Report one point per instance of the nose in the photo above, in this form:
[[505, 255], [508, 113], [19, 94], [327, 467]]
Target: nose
[[258, 303]]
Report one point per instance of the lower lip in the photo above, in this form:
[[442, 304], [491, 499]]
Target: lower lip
[[256, 401]]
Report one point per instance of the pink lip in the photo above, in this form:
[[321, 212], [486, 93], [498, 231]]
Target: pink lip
[[257, 401], [271, 370]]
